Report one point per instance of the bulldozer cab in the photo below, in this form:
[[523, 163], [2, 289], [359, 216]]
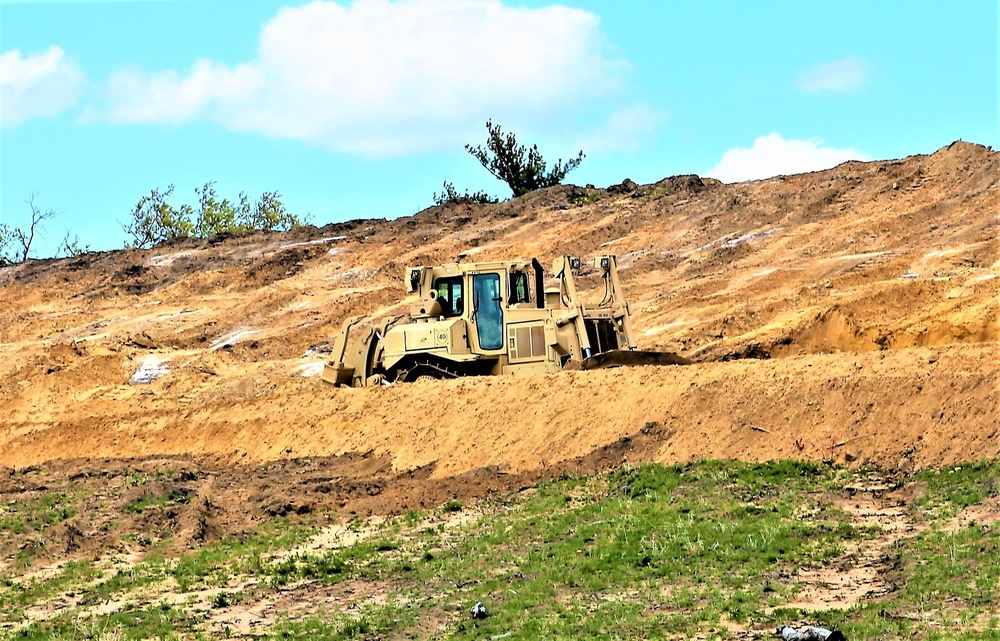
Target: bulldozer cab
[[450, 294], [482, 295], [508, 311]]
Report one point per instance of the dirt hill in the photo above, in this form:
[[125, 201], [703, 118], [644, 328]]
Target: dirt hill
[[851, 314]]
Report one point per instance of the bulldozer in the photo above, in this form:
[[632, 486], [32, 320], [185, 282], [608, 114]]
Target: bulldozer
[[492, 318]]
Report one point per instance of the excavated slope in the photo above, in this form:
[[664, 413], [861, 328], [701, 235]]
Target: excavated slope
[[851, 314]]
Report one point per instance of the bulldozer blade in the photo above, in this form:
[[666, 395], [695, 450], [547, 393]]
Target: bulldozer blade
[[337, 374], [628, 358]]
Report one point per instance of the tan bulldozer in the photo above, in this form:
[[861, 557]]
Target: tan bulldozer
[[473, 319]]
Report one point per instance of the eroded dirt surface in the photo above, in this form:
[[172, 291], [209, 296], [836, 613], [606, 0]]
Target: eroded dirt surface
[[130, 506], [847, 315]]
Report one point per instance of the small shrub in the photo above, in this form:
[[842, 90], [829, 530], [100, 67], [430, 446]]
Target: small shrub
[[155, 220], [386, 546], [450, 196], [327, 566], [71, 248], [584, 197], [6, 241], [284, 572], [152, 500], [22, 236]]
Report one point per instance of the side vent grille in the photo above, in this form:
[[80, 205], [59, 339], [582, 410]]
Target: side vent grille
[[527, 342]]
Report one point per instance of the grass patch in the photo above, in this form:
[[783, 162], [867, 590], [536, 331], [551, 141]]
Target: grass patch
[[588, 198], [13, 523], [16, 595], [212, 565], [684, 550], [152, 500], [951, 489], [38, 514], [216, 564], [648, 551], [153, 622], [370, 623], [684, 537]]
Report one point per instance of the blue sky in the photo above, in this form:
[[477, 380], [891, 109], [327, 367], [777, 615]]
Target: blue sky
[[361, 109]]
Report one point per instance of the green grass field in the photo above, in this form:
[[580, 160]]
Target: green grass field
[[706, 550]]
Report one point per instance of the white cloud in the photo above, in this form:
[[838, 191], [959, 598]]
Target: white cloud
[[772, 155], [135, 96], [380, 77], [37, 86], [845, 75], [626, 129]]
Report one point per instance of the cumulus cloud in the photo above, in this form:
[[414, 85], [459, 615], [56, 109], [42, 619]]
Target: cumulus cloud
[[772, 155], [166, 96], [37, 85], [380, 77], [839, 76], [626, 129]]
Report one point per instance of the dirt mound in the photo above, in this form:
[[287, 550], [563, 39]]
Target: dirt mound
[[89, 508], [909, 408], [866, 294]]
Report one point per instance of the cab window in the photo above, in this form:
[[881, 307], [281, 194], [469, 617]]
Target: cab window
[[487, 303], [519, 292], [450, 295]]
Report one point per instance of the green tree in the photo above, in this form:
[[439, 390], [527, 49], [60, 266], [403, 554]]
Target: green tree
[[523, 169]]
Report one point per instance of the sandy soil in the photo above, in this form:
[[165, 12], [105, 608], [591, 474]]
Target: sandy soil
[[850, 315]]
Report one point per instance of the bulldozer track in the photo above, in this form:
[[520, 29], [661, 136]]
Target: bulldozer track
[[425, 368]]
